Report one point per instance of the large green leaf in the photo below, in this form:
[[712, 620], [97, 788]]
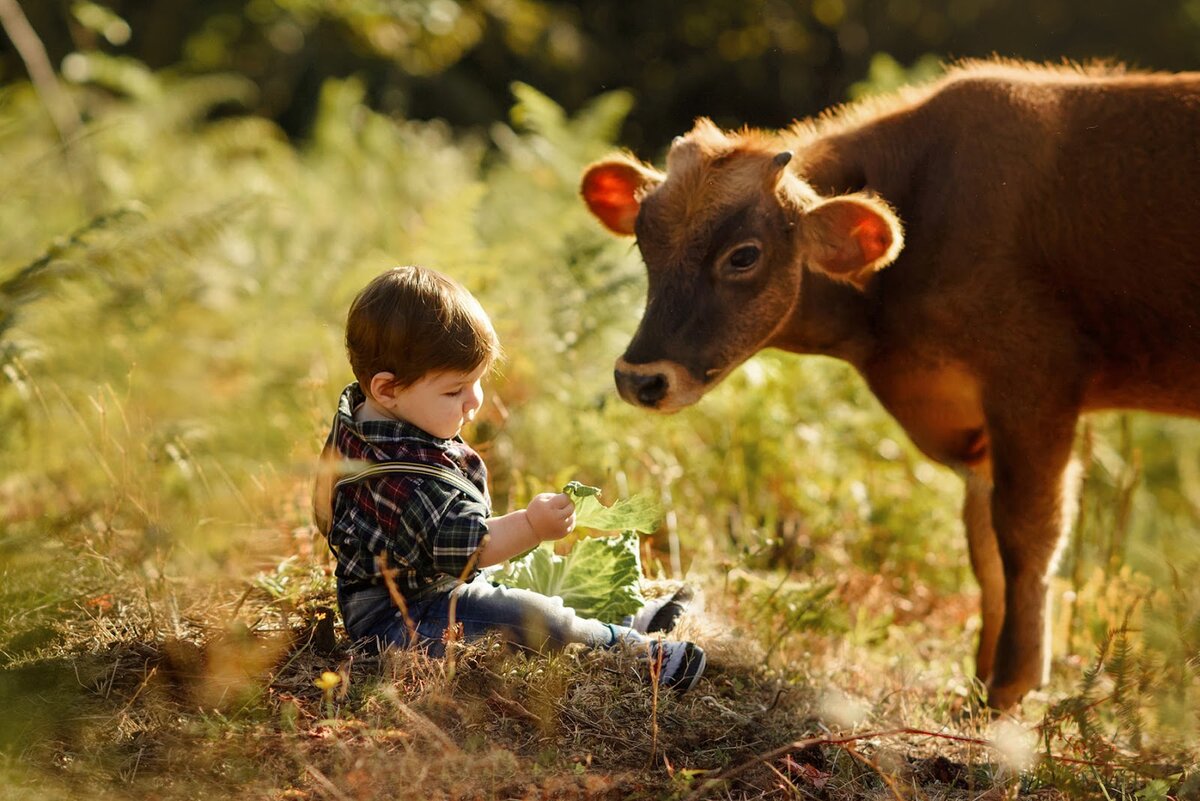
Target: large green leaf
[[639, 513], [599, 578]]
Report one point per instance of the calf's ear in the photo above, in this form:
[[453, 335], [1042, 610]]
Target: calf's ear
[[613, 190], [850, 238]]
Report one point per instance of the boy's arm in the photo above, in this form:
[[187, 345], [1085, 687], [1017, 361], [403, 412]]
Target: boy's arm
[[549, 516], [507, 536]]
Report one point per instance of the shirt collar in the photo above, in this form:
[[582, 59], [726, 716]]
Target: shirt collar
[[381, 430]]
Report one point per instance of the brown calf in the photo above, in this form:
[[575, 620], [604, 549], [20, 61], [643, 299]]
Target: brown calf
[[995, 253]]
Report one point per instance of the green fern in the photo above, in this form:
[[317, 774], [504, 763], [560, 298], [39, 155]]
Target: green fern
[[41, 275], [1128, 679], [536, 112]]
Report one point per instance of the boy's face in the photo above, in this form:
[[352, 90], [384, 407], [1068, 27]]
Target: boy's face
[[438, 403]]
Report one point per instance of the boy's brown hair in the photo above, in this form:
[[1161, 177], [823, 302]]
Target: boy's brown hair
[[412, 321]]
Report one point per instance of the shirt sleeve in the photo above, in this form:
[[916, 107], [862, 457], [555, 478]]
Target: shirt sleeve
[[459, 533]]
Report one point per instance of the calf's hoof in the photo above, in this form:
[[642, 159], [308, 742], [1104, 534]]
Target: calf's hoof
[[1006, 696]]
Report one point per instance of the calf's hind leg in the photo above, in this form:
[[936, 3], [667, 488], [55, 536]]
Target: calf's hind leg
[[987, 566]]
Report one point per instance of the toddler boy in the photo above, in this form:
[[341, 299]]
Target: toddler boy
[[419, 345]]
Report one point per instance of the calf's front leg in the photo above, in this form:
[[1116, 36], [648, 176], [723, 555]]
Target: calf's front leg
[[1031, 453]]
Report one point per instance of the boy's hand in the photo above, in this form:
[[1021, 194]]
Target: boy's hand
[[551, 515]]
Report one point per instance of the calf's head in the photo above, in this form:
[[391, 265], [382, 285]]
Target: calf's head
[[727, 234]]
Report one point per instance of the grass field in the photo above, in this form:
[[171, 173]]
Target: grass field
[[172, 290]]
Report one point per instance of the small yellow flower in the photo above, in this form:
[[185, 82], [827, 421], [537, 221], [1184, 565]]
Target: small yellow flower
[[328, 680]]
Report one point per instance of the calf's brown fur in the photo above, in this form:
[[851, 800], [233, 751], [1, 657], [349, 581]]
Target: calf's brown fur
[[996, 254]]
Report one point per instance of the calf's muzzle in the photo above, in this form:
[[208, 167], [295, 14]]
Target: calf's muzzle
[[641, 389]]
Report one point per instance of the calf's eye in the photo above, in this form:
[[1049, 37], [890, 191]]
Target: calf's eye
[[744, 257]]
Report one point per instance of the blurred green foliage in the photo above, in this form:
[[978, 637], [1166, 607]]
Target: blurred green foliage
[[758, 62]]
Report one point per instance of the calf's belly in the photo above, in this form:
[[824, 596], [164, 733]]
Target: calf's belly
[[940, 405], [1168, 386]]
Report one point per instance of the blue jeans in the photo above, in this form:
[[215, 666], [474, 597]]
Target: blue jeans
[[524, 618]]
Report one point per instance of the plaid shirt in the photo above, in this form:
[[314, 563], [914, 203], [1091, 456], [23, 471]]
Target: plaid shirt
[[428, 528]]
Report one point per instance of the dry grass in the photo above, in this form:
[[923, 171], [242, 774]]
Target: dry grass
[[188, 691]]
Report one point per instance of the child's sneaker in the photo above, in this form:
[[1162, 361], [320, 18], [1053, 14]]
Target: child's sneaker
[[682, 663], [661, 614]]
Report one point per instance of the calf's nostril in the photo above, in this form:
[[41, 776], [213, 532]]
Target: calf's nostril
[[642, 389], [650, 389]]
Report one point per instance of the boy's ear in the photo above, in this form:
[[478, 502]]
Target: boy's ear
[[382, 386]]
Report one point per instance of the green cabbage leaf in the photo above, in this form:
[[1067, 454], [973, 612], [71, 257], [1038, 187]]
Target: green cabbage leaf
[[601, 576], [639, 513]]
